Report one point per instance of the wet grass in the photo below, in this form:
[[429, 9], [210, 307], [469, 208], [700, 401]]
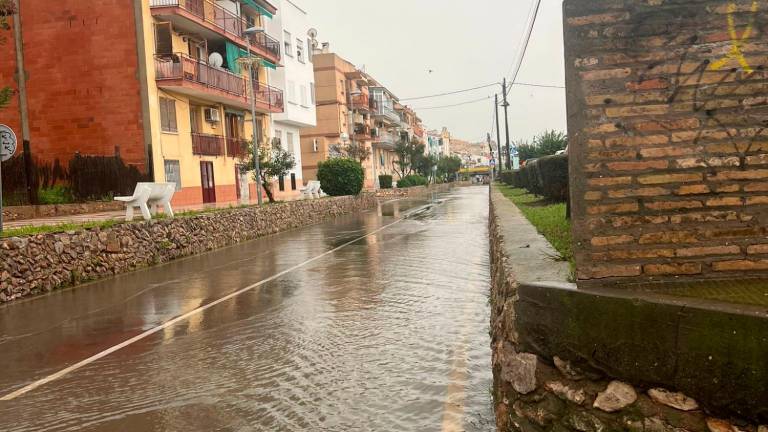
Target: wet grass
[[548, 218]]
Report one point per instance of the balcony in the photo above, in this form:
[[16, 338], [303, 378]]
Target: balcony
[[196, 78], [237, 148], [362, 133], [266, 46], [386, 113], [268, 98], [385, 141], [361, 102], [210, 20], [207, 145]]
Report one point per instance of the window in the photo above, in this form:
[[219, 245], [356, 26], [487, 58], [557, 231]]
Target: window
[[310, 49], [277, 142], [291, 92], [289, 142], [314, 145], [163, 38], [168, 115], [288, 40], [293, 181], [173, 173], [303, 95], [312, 93], [300, 50]]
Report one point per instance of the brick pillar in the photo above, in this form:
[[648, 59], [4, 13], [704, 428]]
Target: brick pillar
[[668, 125]]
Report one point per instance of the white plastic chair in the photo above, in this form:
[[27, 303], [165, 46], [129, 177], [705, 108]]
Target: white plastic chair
[[147, 197]]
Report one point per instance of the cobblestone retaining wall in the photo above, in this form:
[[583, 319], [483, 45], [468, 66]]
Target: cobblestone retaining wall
[[41, 263], [572, 384], [417, 191], [668, 108]]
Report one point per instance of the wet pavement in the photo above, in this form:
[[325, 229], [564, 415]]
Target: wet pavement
[[372, 322]]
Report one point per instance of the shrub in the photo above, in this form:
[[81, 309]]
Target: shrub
[[385, 181], [411, 181], [547, 176], [55, 195], [340, 177], [506, 177]]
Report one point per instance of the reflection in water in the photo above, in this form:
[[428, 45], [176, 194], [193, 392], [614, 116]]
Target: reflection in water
[[387, 334]]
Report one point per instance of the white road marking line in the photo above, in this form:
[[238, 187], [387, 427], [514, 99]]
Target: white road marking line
[[178, 319]]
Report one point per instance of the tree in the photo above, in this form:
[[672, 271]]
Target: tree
[[274, 163], [426, 166], [545, 144], [409, 153], [356, 151], [7, 8], [341, 176], [447, 167]]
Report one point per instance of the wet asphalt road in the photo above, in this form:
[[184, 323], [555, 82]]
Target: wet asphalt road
[[386, 333]]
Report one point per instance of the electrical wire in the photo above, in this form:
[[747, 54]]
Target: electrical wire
[[450, 93], [453, 105], [529, 32]]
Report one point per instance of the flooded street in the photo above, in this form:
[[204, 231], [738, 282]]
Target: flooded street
[[371, 322]]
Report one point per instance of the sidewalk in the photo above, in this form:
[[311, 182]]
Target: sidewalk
[[112, 215]]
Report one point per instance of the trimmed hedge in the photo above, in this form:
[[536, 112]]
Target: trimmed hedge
[[547, 176], [341, 177], [411, 181], [385, 181]]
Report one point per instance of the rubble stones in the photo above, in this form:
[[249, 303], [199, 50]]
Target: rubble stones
[[616, 396], [674, 400], [520, 371]]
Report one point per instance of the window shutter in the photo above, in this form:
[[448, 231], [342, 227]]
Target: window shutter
[[172, 115], [163, 40], [164, 114]]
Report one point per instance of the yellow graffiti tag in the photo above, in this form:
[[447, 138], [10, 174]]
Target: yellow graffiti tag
[[737, 41]]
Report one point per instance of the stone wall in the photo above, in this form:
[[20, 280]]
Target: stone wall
[[14, 213], [417, 191], [667, 119], [565, 359], [41, 263]]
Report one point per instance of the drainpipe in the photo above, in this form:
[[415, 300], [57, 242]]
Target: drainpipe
[[21, 76]]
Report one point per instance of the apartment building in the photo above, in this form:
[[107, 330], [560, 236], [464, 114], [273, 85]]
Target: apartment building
[[157, 83], [296, 79]]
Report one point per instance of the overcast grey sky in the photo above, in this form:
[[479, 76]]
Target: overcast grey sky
[[466, 44]]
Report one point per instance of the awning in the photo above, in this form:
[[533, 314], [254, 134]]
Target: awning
[[269, 64], [233, 53], [259, 8]]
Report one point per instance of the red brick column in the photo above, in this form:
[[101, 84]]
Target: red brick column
[[668, 125]]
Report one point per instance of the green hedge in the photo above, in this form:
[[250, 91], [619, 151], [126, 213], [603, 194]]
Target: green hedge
[[547, 176], [341, 177], [385, 181], [411, 181]]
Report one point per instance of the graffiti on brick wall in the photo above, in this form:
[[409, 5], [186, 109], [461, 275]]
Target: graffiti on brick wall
[[736, 54], [728, 94]]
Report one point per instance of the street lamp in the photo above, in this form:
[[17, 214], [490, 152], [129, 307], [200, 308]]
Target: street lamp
[[251, 61]]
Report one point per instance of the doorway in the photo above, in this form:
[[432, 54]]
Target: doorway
[[243, 189], [208, 182]]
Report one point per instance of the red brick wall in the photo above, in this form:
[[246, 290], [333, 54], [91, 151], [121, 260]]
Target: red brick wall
[[83, 87], [668, 125]]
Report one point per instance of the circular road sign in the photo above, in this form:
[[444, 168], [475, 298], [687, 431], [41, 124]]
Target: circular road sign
[[7, 142]]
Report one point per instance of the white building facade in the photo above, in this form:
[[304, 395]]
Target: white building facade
[[296, 78]]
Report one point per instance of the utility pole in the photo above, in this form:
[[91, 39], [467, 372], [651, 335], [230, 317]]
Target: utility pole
[[23, 106], [498, 131], [492, 158], [254, 124], [506, 124]]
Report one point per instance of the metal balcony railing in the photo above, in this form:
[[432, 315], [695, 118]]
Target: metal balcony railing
[[181, 66], [266, 42], [270, 96], [207, 145], [360, 102], [237, 147]]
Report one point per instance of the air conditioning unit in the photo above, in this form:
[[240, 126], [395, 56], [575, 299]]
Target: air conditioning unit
[[212, 115]]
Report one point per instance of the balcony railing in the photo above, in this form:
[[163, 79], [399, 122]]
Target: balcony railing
[[207, 145], [360, 102], [266, 43], [181, 66], [237, 147], [270, 96], [229, 23]]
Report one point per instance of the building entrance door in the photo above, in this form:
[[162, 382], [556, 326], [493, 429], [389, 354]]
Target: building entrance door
[[208, 182]]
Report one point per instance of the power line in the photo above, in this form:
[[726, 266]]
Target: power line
[[453, 105], [527, 42], [449, 93], [538, 85]]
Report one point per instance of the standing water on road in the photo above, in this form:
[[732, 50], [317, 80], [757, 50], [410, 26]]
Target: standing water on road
[[387, 333]]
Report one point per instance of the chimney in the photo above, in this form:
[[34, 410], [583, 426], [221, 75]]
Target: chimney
[[326, 47]]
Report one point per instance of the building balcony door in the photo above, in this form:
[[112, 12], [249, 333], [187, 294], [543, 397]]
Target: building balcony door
[[208, 182]]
